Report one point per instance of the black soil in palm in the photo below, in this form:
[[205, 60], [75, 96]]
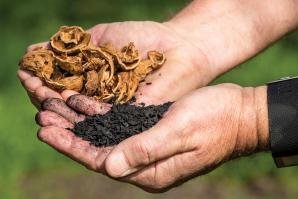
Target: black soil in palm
[[120, 122]]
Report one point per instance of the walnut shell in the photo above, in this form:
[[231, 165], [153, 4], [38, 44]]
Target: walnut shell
[[126, 86], [95, 58], [71, 64], [69, 40], [54, 84], [91, 84], [132, 86], [74, 83], [144, 68], [157, 58], [127, 59], [39, 61]]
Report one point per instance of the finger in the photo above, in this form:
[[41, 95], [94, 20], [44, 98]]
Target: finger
[[58, 106], [168, 173], [87, 105], [35, 89], [74, 147], [38, 45], [49, 118], [24, 75], [43, 93], [32, 84], [161, 141]]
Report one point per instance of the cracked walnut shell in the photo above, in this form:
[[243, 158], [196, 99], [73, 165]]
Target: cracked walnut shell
[[70, 40], [39, 61]]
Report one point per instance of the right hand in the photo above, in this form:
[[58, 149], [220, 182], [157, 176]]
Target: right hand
[[197, 134]]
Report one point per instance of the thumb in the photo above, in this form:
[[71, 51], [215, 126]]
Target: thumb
[[159, 142]]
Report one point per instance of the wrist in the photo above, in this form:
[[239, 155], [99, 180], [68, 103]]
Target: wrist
[[197, 59], [261, 109], [200, 57], [253, 131], [231, 32]]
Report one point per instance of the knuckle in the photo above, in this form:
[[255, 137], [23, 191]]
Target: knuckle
[[40, 93], [143, 148], [27, 82], [32, 84]]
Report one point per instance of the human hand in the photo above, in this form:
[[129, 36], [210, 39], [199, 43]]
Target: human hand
[[186, 67], [198, 133]]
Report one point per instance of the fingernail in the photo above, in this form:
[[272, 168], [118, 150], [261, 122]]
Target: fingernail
[[118, 166]]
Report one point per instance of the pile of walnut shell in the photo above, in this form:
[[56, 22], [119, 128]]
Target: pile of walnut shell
[[73, 62]]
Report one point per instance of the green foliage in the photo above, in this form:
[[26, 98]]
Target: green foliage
[[31, 21]]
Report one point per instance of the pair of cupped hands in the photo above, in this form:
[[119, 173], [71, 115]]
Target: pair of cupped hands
[[200, 131]]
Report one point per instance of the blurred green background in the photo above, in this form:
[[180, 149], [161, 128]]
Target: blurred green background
[[30, 169]]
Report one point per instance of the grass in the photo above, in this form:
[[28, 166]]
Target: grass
[[24, 159]]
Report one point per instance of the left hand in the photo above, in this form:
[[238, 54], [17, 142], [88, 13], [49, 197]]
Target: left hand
[[186, 67], [198, 133]]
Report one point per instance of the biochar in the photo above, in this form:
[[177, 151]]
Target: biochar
[[119, 123]]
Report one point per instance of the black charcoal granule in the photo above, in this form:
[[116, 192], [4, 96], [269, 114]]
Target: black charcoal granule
[[119, 123]]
